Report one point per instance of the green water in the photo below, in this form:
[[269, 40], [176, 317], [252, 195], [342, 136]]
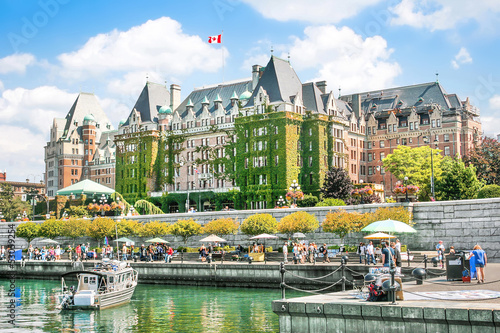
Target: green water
[[153, 308]]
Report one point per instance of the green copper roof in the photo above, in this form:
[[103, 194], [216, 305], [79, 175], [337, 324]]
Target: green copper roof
[[190, 103], [89, 117], [165, 110], [218, 99], [205, 101], [246, 95], [235, 96]]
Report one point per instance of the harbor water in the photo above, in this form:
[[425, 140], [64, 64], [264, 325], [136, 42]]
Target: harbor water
[[153, 308]]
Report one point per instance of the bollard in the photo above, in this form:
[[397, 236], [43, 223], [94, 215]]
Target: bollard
[[282, 285], [408, 253], [425, 261], [419, 274], [393, 288], [342, 264]]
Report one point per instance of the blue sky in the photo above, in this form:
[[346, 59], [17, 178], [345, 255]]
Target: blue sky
[[52, 49]]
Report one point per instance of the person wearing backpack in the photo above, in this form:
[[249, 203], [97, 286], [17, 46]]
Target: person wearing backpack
[[323, 249]]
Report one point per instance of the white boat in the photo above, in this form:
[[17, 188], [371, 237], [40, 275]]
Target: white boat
[[107, 284]]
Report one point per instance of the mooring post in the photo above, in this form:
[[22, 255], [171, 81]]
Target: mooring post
[[342, 264], [282, 285]]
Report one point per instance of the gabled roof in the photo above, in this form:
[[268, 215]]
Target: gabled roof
[[280, 82], [225, 92], [151, 99], [311, 97], [85, 104], [415, 95]]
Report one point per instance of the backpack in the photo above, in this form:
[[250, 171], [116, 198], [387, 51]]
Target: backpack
[[375, 294], [321, 249]]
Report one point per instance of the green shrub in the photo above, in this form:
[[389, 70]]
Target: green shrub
[[330, 202], [489, 191], [259, 224], [308, 201]]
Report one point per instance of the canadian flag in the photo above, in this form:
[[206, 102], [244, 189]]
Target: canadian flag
[[215, 39]]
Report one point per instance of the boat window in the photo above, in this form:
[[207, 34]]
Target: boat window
[[92, 280], [111, 279], [86, 279]]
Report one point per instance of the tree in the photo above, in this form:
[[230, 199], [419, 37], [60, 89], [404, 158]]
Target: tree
[[129, 228], [11, 206], [185, 229], [342, 222], [74, 228], [51, 228], [330, 202], [297, 222], [77, 211], [489, 191], [414, 163], [153, 229], [28, 231], [385, 213], [485, 156], [147, 208], [222, 226], [457, 182], [259, 224], [337, 184], [101, 227]]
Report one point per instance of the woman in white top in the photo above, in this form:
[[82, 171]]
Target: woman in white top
[[58, 253]]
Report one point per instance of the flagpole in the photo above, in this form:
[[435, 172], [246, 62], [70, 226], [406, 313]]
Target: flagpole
[[222, 46]]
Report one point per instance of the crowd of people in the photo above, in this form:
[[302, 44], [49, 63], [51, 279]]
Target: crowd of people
[[45, 254], [390, 252], [303, 252]]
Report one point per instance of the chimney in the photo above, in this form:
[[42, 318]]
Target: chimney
[[255, 75], [356, 105], [175, 96], [321, 86]]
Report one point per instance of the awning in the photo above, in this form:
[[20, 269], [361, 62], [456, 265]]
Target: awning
[[87, 187]]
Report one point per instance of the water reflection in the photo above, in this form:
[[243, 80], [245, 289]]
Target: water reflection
[[154, 308]]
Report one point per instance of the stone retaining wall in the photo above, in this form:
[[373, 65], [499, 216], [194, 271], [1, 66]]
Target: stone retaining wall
[[461, 223]]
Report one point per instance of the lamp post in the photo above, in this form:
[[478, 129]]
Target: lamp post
[[427, 140], [102, 202], [281, 201], [406, 188], [294, 187]]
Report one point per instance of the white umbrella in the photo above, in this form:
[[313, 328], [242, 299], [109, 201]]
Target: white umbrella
[[391, 226], [264, 236], [379, 235], [212, 238], [298, 235], [49, 241]]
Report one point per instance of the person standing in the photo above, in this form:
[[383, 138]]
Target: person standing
[[361, 252], [481, 261], [30, 251], [285, 252], [398, 245], [386, 255], [324, 250], [370, 253], [70, 253], [78, 251], [397, 258], [440, 252]]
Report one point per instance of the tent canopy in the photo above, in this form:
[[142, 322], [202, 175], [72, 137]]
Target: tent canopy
[[87, 187], [391, 226]]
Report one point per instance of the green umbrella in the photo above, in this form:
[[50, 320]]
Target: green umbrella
[[124, 240], [157, 240], [391, 226]]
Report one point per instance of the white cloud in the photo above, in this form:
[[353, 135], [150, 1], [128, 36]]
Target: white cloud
[[444, 14], [495, 103], [344, 58], [462, 57], [16, 63], [491, 122], [35, 108], [321, 12], [157, 45], [1, 86]]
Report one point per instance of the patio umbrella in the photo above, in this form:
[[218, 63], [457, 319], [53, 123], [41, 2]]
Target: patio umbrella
[[157, 240], [125, 240], [49, 241], [264, 237], [213, 238], [379, 235], [298, 235], [390, 226]]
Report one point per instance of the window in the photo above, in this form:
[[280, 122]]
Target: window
[[276, 144], [369, 145], [447, 151], [369, 131], [446, 138], [310, 146], [310, 132], [370, 171], [310, 161], [275, 129], [433, 123], [394, 128], [438, 122], [370, 157], [382, 143], [411, 126], [276, 160], [382, 156]]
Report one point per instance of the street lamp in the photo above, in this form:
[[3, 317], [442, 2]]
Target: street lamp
[[281, 201], [426, 140], [294, 188], [103, 200], [406, 188]]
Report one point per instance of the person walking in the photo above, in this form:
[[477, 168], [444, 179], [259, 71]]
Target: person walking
[[361, 252], [285, 252], [481, 261], [370, 253], [386, 255], [397, 258], [324, 250]]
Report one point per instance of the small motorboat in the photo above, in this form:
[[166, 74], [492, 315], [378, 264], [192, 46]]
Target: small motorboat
[[108, 283]]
